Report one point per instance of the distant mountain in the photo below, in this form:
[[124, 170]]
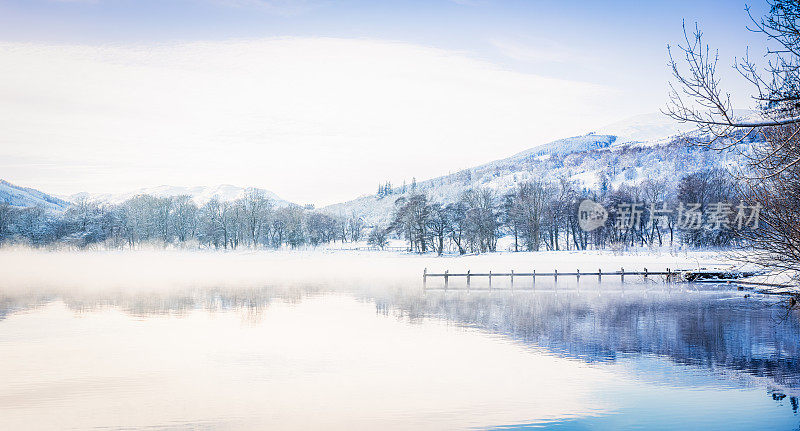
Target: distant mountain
[[566, 146], [17, 196], [646, 128], [656, 127], [642, 147], [200, 194]]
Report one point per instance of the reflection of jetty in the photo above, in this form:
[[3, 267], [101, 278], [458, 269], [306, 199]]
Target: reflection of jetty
[[701, 275]]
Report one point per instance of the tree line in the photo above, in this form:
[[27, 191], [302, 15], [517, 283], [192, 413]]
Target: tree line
[[251, 221], [539, 215], [534, 215]]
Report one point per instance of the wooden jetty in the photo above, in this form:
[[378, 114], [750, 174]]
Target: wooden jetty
[[469, 275], [702, 275]]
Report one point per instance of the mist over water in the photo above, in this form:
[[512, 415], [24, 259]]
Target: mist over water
[[159, 270]]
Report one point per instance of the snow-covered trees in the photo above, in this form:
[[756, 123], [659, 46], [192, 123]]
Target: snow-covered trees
[[6, 220], [256, 209], [526, 206], [410, 220], [183, 219], [458, 229], [355, 228], [538, 215], [707, 188], [321, 228], [212, 226], [377, 237], [438, 226], [33, 225], [482, 219], [471, 224], [251, 221], [293, 217]]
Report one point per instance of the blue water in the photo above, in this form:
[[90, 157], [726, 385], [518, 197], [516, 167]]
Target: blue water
[[650, 358]]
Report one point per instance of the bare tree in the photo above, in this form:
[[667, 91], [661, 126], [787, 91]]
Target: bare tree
[[482, 219], [769, 144], [528, 206], [256, 208], [457, 216], [184, 217], [438, 225]]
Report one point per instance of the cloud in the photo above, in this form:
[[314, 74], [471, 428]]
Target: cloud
[[314, 119], [534, 51]]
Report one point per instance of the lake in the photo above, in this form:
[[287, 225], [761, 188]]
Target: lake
[[599, 357]]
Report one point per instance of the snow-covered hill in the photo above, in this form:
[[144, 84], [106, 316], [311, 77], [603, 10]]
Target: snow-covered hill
[[17, 196], [631, 151], [200, 194], [646, 128], [656, 127]]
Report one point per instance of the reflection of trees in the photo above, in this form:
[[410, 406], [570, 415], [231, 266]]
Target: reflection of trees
[[13, 304], [250, 302], [705, 329]]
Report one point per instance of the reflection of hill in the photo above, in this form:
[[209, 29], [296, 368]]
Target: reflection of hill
[[711, 330]]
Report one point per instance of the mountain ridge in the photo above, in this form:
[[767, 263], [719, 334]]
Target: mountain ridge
[[628, 151], [649, 146], [18, 196]]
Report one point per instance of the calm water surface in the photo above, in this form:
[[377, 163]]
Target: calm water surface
[[634, 358]]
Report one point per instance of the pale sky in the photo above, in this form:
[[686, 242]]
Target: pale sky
[[319, 101]]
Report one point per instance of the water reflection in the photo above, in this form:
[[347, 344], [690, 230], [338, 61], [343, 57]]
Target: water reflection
[[251, 301], [562, 359], [713, 328], [707, 326]]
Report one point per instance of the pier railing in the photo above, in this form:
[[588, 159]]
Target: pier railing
[[714, 276], [469, 275]]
